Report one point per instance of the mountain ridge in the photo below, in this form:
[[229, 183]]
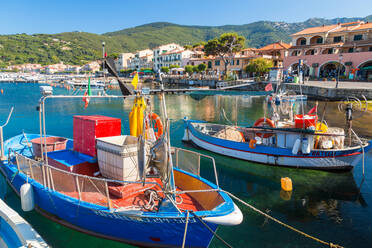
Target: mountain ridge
[[81, 47]]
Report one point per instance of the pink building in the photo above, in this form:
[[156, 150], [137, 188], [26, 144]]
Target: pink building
[[326, 50]]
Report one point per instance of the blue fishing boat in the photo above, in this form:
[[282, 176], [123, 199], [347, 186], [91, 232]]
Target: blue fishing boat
[[299, 141], [134, 188]]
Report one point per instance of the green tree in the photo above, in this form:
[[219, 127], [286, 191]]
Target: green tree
[[225, 47], [189, 69], [195, 68], [187, 47], [259, 66], [173, 66], [164, 69], [202, 67], [114, 55]]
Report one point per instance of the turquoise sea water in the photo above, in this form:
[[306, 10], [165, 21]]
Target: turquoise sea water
[[335, 207]]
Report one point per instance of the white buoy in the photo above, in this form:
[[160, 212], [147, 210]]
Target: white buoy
[[305, 146], [27, 197], [296, 146]]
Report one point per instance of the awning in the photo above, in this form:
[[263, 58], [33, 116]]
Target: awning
[[177, 69], [367, 68], [147, 71]]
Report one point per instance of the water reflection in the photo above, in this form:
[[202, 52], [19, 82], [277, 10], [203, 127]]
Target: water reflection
[[328, 205]]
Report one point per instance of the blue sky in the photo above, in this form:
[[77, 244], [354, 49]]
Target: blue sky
[[54, 16]]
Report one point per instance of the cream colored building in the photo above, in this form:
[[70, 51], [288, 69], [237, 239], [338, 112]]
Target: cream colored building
[[122, 62], [159, 51], [141, 59]]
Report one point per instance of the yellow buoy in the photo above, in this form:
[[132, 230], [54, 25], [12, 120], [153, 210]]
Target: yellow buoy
[[286, 183]]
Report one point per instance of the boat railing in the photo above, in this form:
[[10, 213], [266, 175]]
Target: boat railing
[[85, 188], [2, 156], [190, 161]]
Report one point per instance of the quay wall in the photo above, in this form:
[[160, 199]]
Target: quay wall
[[331, 94], [255, 86]]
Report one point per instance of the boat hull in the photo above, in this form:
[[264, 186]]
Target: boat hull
[[343, 160], [146, 229]]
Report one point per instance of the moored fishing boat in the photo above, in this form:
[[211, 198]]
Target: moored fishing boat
[[299, 141], [121, 187]]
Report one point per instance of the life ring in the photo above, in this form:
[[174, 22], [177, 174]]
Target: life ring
[[158, 126], [261, 122], [252, 143]]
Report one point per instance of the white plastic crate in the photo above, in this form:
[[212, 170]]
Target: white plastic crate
[[117, 157]]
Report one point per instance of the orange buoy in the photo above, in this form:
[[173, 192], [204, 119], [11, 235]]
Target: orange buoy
[[2, 91], [286, 184], [252, 143], [261, 123], [158, 127]]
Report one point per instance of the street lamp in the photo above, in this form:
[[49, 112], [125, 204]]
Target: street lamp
[[103, 62], [340, 57]]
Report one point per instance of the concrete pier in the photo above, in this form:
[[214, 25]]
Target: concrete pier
[[326, 90]]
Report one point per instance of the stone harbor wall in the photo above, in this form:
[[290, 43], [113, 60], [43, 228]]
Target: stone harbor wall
[[332, 94]]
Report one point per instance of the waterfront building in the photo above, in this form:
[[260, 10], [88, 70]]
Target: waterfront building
[[92, 67], [237, 63], [278, 51], [73, 68], [121, 63], [159, 51], [26, 67], [343, 48], [50, 69], [141, 59], [177, 57]]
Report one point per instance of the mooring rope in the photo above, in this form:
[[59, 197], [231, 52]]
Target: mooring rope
[[329, 244], [214, 233], [184, 234]]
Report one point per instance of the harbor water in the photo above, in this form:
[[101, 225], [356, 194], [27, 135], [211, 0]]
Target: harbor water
[[334, 207]]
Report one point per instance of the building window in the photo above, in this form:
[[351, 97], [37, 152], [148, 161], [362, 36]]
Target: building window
[[303, 42], [330, 51], [351, 50], [232, 62], [358, 37], [319, 40], [237, 62], [370, 49], [217, 62], [337, 39]]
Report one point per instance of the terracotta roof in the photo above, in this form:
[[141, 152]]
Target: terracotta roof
[[349, 26], [275, 46], [315, 30], [173, 52], [364, 26]]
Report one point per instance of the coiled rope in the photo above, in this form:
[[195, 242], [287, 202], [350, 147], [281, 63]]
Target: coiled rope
[[329, 244]]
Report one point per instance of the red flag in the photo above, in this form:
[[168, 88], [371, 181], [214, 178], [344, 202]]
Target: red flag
[[86, 99], [269, 87], [105, 54], [312, 110]]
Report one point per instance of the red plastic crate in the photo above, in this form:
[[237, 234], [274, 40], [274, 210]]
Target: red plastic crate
[[89, 127], [310, 120]]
